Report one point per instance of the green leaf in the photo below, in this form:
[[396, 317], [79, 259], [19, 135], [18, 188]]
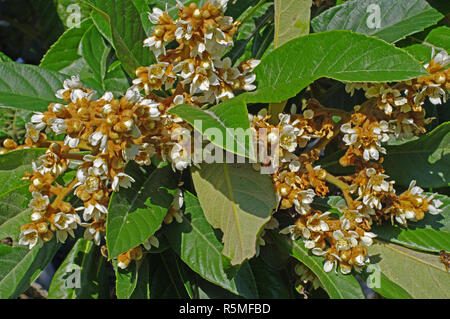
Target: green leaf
[[291, 20], [430, 234], [82, 274], [143, 10], [337, 285], [378, 281], [120, 23], [14, 193], [430, 153], [20, 266], [196, 244], [135, 213], [63, 56], [421, 275], [95, 52], [228, 118], [239, 7], [28, 87], [386, 19], [355, 58], [164, 279], [126, 280], [116, 80], [439, 37], [239, 201], [271, 285], [5, 58]]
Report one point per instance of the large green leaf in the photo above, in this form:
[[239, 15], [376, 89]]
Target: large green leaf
[[270, 282], [95, 52], [196, 244], [420, 274], [291, 20], [426, 159], [337, 285], [386, 19], [5, 58], [63, 56], [82, 274], [135, 213], [20, 266], [120, 23], [127, 279], [378, 281], [28, 87], [353, 57], [227, 119], [167, 278], [439, 37], [239, 201], [14, 193], [430, 234]]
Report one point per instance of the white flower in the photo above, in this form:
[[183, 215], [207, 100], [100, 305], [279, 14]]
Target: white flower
[[248, 80], [65, 224], [157, 46], [37, 119], [108, 96], [184, 30], [29, 237], [345, 243], [151, 241], [155, 15], [433, 206], [153, 108], [220, 4], [185, 69], [133, 95], [72, 142], [58, 125], [91, 233], [130, 151], [97, 211], [72, 83], [98, 137], [367, 238], [288, 138], [294, 166], [39, 202], [122, 180], [180, 158], [32, 132], [303, 200], [78, 94], [350, 136]]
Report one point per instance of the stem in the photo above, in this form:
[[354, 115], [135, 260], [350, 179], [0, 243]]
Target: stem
[[65, 191], [342, 186], [252, 11]]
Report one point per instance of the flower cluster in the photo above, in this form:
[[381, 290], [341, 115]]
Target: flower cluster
[[391, 113], [203, 34], [101, 135]]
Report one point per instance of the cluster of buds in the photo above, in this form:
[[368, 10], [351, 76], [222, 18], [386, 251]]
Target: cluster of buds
[[138, 126], [102, 135], [402, 103], [392, 113], [203, 35]]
